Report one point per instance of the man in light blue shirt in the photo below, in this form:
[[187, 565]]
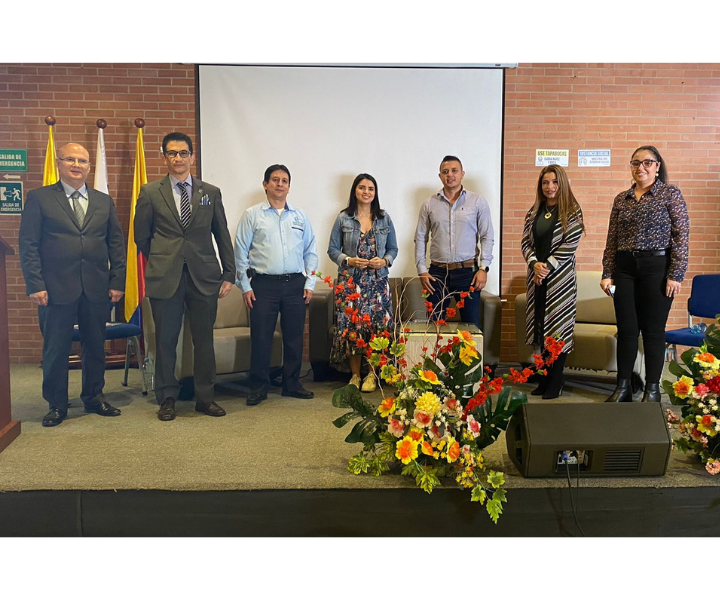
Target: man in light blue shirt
[[276, 258]]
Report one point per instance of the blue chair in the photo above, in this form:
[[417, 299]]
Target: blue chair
[[130, 332], [704, 301]]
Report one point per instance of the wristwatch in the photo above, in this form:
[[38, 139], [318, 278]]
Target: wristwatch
[[486, 269]]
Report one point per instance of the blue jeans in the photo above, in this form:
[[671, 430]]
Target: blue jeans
[[453, 282]]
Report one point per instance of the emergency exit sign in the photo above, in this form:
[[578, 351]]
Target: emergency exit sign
[[13, 159]]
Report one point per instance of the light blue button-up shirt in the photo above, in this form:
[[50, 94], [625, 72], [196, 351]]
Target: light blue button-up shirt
[[274, 244], [83, 199], [176, 192]]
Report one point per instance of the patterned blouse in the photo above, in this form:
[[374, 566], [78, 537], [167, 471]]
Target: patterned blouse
[[659, 220]]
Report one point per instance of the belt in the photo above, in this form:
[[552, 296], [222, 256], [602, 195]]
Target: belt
[[639, 253], [286, 277], [466, 264]]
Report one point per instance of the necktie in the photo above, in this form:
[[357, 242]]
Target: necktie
[[184, 204], [77, 208]]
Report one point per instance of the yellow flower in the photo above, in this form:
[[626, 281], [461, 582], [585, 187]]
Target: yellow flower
[[683, 387], [467, 355], [430, 377], [428, 403], [706, 424], [386, 407], [406, 450], [707, 360], [467, 338]]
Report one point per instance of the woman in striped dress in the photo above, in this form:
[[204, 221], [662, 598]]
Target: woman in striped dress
[[553, 227]]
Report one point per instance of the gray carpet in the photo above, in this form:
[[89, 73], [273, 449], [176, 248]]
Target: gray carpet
[[283, 443]]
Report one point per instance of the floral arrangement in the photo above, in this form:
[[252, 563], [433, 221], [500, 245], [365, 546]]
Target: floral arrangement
[[435, 424], [697, 389]]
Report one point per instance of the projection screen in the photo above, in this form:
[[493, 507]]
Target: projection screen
[[329, 123]]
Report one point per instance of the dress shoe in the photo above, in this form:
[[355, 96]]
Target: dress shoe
[[256, 398], [210, 408], [622, 393], [652, 393], [369, 384], [167, 410], [54, 417], [302, 393], [104, 410], [355, 380]]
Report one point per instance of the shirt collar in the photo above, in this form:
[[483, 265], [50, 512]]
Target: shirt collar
[[652, 191], [69, 191], [266, 205], [174, 181], [441, 194]]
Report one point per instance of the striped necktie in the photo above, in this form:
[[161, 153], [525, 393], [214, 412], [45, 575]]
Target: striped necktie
[[77, 208], [184, 204]]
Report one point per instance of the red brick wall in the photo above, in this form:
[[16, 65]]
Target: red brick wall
[[579, 106], [675, 107], [77, 96]]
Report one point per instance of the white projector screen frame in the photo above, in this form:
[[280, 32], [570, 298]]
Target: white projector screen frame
[[329, 123]]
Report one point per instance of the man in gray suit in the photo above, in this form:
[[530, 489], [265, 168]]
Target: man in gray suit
[[176, 219], [69, 233]]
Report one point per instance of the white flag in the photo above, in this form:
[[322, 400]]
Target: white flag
[[101, 179]]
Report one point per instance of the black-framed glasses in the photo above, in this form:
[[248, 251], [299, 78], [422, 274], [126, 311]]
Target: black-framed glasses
[[174, 153], [71, 161], [647, 163]]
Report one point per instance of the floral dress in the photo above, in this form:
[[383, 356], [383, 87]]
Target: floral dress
[[364, 307]]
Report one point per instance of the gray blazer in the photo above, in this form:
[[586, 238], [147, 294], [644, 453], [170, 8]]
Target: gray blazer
[[160, 236]]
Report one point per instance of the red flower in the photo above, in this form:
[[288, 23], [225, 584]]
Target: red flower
[[383, 360], [428, 306], [441, 322], [360, 343], [313, 273], [463, 294], [472, 288], [328, 280], [348, 310], [714, 384], [450, 312], [460, 304], [406, 330], [366, 318]]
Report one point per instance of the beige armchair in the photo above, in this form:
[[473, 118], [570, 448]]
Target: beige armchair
[[231, 335], [595, 329]]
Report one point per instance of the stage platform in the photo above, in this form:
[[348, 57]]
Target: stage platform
[[279, 469]]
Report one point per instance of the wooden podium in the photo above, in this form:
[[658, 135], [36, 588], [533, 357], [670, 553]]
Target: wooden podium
[[9, 429]]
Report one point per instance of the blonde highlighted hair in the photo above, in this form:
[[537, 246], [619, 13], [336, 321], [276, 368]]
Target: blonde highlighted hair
[[567, 203]]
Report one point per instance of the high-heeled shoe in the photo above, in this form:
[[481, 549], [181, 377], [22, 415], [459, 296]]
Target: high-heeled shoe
[[622, 393], [550, 394], [652, 392], [555, 379], [541, 388]]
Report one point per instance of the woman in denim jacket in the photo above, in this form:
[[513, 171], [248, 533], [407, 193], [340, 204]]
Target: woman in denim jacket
[[363, 244]]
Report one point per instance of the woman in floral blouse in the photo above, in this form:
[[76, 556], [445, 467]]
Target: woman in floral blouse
[[363, 245], [644, 264]]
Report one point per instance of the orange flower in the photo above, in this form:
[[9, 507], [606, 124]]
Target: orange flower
[[328, 280], [430, 377], [416, 435], [427, 448], [463, 294], [453, 451], [460, 304], [451, 312]]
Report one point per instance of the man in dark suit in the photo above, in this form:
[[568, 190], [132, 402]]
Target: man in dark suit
[[176, 219], [69, 233]]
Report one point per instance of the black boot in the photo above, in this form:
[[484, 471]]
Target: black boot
[[622, 393], [652, 393], [542, 386], [555, 378]]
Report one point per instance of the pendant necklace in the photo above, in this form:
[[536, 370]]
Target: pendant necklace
[[549, 213]]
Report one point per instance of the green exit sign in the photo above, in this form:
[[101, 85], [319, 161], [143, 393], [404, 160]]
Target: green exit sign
[[13, 159]]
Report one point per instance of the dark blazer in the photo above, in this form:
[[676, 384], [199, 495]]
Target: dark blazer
[[64, 259], [160, 236]]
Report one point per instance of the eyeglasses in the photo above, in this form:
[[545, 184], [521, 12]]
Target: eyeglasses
[[174, 153], [71, 161], [645, 163]]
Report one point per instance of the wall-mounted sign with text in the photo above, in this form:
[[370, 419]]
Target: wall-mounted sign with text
[[552, 157], [13, 159], [593, 158], [11, 195]]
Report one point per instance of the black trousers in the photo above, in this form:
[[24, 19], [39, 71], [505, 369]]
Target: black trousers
[[168, 316], [275, 295], [641, 306], [56, 324]]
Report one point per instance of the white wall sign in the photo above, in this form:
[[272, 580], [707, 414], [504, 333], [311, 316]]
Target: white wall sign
[[593, 158], [552, 157]]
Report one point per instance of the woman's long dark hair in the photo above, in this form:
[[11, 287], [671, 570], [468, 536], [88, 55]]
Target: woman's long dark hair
[[375, 210]]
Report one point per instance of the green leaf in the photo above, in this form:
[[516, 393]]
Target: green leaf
[[379, 343], [500, 495], [496, 478], [346, 397], [677, 370], [494, 509], [363, 432], [478, 494], [358, 464], [397, 349], [429, 365], [426, 480], [345, 419]]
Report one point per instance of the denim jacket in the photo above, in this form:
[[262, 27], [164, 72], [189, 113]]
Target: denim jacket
[[346, 234]]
